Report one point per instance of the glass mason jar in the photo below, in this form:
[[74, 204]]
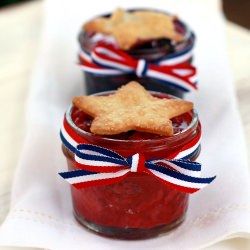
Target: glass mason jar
[[140, 206], [151, 51]]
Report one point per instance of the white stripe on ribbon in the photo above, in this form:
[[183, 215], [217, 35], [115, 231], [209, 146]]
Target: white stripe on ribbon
[[68, 138], [168, 78], [179, 169], [95, 163], [140, 67], [188, 151], [99, 37], [98, 176], [90, 152], [178, 59], [193, 78], [178, 181], [135, 161], [110, 63], [85, 56], [108, 53], [100, 71]]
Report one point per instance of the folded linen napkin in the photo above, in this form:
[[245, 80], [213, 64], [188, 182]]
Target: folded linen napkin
[[41, 213]]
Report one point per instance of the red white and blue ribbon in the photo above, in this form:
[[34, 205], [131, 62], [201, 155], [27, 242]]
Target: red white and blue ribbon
[[98, 165], [173, 70]]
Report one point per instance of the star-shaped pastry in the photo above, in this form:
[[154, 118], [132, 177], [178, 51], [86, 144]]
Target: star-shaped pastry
[[131, 107], [128, 28]]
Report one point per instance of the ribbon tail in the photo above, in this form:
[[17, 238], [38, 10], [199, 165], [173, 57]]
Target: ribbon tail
[[83, 179], [170, 79], [182, 166], [185, 188], [177, 180]]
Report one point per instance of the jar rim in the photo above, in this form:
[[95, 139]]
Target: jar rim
[[191, 126]]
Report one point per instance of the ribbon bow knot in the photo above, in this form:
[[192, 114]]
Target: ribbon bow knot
[[97, 165], [105, 59], [136, 163], [141, 68]]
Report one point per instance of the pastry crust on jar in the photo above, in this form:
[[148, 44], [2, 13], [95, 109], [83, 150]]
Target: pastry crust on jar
[[128, 28]]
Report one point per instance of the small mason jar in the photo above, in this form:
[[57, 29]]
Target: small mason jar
[[139, 206], [151, 51]]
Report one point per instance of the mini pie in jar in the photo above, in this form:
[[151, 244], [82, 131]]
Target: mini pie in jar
[[131, 160], [148, 46]]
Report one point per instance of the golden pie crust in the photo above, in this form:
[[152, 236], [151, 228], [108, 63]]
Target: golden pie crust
[[131, 107], [128, 28]]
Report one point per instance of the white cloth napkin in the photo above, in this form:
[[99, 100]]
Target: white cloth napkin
[[41, 213]]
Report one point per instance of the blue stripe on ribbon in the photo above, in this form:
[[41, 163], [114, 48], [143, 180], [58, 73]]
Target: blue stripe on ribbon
[[177, 175], [66, 143], [143, 73], [192, 153], [100, 159], [76, 173], [98, 149], [129, 161], [109, 156], [182, 163], [171, 84], [186, 164], [101, 74], [112, 67]]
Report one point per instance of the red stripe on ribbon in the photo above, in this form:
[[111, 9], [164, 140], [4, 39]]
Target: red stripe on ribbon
[[72, 133], [187, 146]]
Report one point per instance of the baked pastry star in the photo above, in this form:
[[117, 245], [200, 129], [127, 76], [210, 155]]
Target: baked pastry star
[[128, 28], [131, 107]]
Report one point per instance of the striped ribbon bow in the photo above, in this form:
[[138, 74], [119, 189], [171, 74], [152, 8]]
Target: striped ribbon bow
[[173, 70], [97, 165]]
